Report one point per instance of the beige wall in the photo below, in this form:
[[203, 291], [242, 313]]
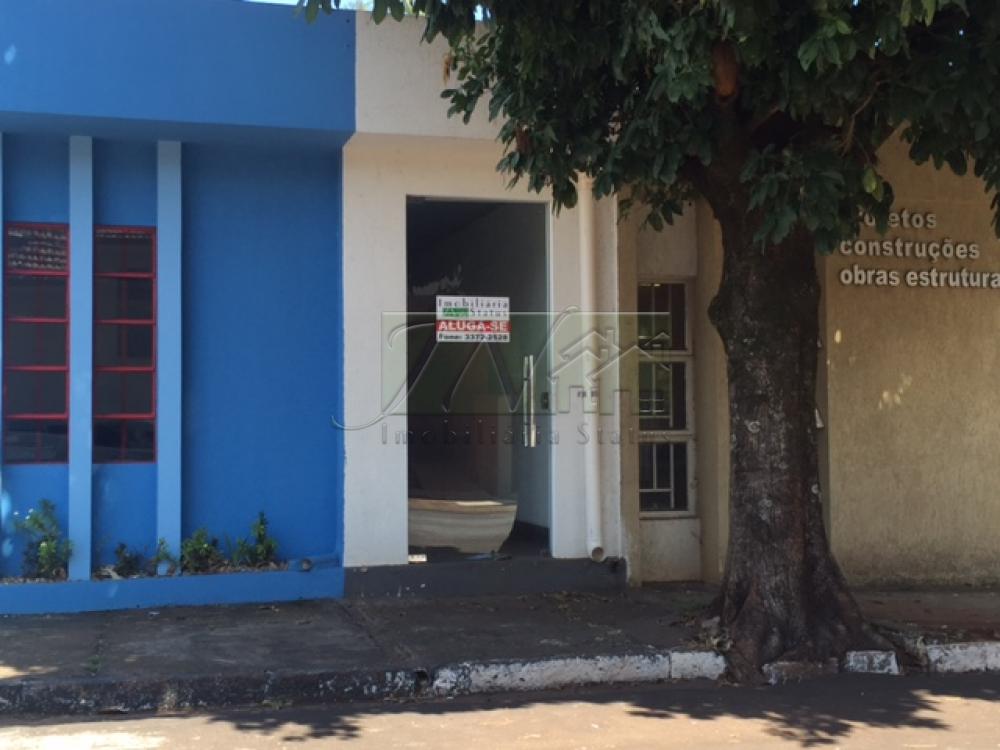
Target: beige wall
[[658, 547], [908, 394], [631, 541], [711, 402], [398, 84], [913, 420]]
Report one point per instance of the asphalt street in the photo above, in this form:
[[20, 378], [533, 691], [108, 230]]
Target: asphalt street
[[843, 712]]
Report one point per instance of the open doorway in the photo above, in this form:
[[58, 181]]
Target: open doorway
[[477, 447]]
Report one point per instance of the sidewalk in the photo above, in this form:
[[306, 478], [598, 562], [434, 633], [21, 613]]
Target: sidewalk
[[315, 652], [948, 615]]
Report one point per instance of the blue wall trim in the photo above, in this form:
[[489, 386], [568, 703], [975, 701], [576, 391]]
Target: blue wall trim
[[206, 63], [81, 293], [3, 260], [169, 211], [232, 588]]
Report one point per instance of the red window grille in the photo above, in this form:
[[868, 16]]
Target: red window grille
[[36, 343], [124, 344]]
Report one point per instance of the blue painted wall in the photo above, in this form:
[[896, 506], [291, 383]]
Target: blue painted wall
[[125, 183], [124, 510], [23, 486], [204, 62], [262, 342], [263, 102], [36, 178], [263, 345], [36, 188], [124, 495]]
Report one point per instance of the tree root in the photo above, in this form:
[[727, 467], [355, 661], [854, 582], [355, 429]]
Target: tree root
[[760, 633]]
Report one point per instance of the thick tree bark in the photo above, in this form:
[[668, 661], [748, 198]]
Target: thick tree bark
[[783, 595]]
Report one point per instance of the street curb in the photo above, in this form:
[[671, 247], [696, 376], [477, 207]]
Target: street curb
[[955, 658], [871, 662], [780, 672], [105, 695], [938, 658], [547, 674], [855, 662], [97, 695]]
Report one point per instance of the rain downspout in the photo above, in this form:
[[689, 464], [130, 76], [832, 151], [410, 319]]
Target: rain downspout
[[591, 392]]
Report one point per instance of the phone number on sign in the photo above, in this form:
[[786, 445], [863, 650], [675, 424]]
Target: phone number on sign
[[474, 338]]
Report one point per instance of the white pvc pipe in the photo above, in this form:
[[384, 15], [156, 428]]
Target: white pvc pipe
[[591, 394]]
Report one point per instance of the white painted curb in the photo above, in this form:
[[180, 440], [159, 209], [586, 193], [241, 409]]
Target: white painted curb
[[871, 662], [466, 678], [546, 674], [780, 672], [954, 658], [696, 665]]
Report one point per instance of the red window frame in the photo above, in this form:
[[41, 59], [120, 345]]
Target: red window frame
[[123, 415], [36, 320]]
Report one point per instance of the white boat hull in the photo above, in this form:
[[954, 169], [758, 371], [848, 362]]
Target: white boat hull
[[470, 526]]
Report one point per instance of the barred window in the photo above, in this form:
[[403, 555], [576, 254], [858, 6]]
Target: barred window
[[124, 344], [666, 438], [36, 343]]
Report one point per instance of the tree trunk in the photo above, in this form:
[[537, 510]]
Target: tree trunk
[[783, 595]]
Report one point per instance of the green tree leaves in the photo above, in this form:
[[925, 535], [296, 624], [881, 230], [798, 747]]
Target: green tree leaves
[[832, 44], [313, 8], [791, 99], [379, 8], [395, 8]]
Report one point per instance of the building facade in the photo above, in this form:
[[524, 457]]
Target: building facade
[[251, 266], [166, 176]]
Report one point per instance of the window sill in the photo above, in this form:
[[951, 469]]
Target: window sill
[[668, 515]]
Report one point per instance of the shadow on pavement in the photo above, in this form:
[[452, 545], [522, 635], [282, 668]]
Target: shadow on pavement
[[819, 713], [811, 714]]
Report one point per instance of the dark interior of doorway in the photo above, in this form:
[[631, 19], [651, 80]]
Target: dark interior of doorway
[[452, 250]]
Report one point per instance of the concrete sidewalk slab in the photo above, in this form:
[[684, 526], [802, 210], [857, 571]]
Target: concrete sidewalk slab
[[946, 613], [299, 636], [53, 647], [331, 651], [317, 651], [434, 632]]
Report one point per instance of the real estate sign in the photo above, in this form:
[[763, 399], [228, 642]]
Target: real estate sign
[[462, 319]]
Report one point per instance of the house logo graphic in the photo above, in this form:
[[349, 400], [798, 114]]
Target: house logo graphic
[[579, 357]]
